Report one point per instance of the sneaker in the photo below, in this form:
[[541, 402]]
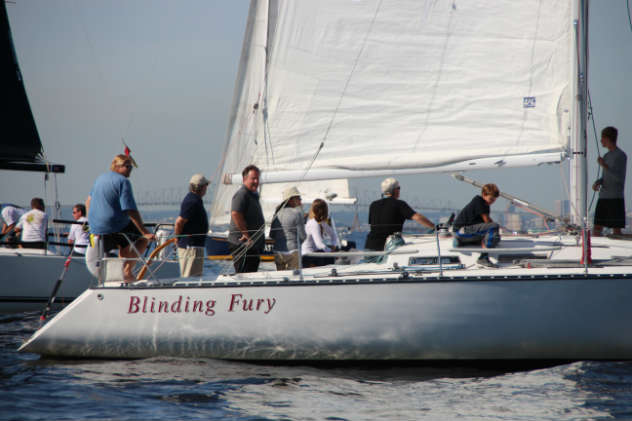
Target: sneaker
[[484, 261]]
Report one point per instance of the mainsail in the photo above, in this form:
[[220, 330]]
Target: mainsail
[[340, 89], [20, 145]]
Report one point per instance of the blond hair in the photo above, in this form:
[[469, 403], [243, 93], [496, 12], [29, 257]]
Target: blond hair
[[120, 160]]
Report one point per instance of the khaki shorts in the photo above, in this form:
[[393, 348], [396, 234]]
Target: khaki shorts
[[191, 261], [286, 261]]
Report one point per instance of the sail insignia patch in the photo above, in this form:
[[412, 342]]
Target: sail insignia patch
[[528, 102]]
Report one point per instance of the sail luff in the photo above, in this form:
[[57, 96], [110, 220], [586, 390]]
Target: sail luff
[[244, 130]]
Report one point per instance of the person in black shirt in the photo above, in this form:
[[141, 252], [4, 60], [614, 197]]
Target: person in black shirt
[[191, 227], [246, 240], [387, 216], [473, 225]]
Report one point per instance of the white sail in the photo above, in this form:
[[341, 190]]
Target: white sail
[[338, 89]]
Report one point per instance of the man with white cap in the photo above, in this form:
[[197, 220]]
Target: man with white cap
[[191, 228], [387, 215], [288, 230]]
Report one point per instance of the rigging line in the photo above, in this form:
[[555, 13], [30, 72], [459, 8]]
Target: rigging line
[[592, 117], [344, 90], [629, 17], [264, 99]]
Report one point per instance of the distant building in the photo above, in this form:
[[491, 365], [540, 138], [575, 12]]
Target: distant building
[[513, 221]]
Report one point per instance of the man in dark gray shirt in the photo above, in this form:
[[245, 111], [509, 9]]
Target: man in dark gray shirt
[[246, 238], [610, 209]]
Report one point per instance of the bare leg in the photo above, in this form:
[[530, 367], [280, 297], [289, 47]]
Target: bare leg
[[597, 230], [616, 231], [129, 253]]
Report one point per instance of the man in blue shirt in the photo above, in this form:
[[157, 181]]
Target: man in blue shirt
[[113, 215], [191, 227]]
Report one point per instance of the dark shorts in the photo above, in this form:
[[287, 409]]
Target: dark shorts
[[610, 213], [313, 261], [245, 260], [118, 239], [33, 245]]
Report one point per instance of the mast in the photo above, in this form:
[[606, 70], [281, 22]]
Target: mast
[[579, 173]]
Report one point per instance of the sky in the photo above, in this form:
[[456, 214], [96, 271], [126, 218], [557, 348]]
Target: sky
[[161, 73]]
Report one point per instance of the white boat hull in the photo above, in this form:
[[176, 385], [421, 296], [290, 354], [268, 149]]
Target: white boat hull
[[545, 317], [27, 280]]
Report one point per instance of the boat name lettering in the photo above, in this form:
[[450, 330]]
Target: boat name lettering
[[251, 304], [151, 305], [238, 302]]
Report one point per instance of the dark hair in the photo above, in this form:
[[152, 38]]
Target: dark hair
[[37, 203], [318, 210], [81, 207], [490, 190], [249, 168], [611, 133]]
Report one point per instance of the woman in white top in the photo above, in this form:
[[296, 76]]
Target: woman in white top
[[78, 236], [33, 226], [317, 229]]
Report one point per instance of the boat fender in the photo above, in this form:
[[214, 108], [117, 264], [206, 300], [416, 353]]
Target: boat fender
[[162, 236], [93, 254]]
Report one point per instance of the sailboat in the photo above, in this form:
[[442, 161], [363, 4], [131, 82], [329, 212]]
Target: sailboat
[[334, 90], [28, 276]]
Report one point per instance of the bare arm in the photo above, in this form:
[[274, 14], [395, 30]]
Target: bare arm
[[486, 217], [7, 228], [240, 222], [134, 215], [179, 226], [422, 220], [88, 204]]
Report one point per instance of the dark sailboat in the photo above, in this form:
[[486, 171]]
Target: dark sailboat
[[20, 144]]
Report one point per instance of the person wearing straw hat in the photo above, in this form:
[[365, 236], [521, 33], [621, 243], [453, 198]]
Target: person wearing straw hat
[[191, 228], [288, 230], [387, 215]]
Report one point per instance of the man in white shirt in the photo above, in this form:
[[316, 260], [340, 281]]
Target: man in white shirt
[[33, 226], [10, 215], [78, 236]]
